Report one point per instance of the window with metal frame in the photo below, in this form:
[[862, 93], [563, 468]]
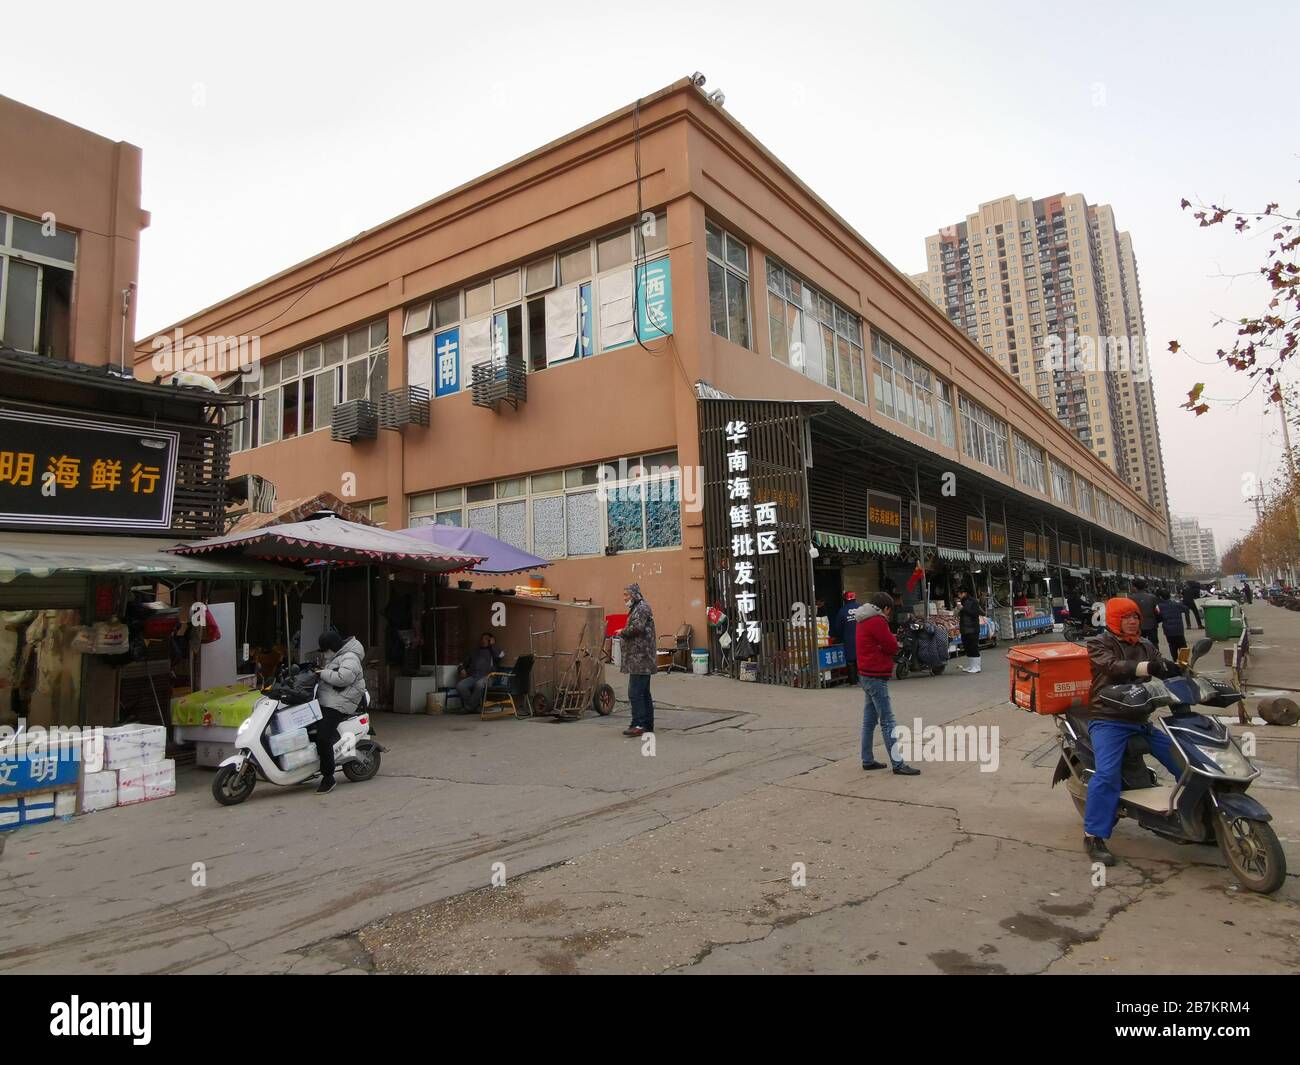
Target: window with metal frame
[[37, 268], [1030, 466], [727, 259], [983, 435], [814, 334]]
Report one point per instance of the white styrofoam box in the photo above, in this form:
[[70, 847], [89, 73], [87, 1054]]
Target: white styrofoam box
[[98, 791], [284, 742], [296, 717], [92, 751], [134, 744], [140, 783], [297, 759], [212, 752], [65, 803]]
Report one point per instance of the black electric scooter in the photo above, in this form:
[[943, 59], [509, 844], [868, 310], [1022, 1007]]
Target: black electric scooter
[[911, 634], [1208, 803]]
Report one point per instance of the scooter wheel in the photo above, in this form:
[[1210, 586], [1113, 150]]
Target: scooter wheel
[[902, 670], [1252, 852], [233, 784], [936, 670], [366, 764]]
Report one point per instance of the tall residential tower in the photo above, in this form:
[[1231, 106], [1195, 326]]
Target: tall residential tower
[[1049, 288]]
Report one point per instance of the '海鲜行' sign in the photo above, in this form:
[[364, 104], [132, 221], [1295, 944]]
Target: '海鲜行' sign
[[57, 470]]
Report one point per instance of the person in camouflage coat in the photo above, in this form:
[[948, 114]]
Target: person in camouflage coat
[[640, 659]]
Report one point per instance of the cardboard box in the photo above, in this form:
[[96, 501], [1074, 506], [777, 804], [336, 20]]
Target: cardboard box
[[143, 783], [284, 742], [296, 717], [98, 791], [297, 759]]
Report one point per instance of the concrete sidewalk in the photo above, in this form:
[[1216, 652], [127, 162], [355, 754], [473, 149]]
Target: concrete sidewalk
[[616, 861]]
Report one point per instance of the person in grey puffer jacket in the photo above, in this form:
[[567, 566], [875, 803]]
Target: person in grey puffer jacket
[[341, 689], [640, 659]]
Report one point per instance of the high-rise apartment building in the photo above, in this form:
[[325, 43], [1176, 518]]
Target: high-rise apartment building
[[1049, 289], [1194, 545]]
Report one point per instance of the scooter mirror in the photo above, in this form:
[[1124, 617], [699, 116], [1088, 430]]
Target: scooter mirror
[[1201, 649]]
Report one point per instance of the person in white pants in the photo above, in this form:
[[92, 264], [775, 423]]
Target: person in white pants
[[969, 624]]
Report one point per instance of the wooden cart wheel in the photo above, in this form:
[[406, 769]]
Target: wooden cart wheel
[[602, 700]]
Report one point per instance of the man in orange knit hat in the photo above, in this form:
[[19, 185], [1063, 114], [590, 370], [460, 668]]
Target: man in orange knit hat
[[1119, 655]]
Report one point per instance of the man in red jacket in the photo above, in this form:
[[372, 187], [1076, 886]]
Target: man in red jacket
[[876, 650]]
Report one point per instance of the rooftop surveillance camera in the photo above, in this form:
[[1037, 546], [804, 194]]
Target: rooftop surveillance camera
[[698, 80], [716, 97]]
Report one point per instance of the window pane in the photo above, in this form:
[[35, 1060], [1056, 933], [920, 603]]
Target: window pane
[[713, 239], [358, 341], [548, 482], [623, 511], [582, 523], [326, 391], [513, 486], [311, 357], [447, 309], [548, 527], [717, 299], [575, 265], [270, 416], [613, 251], [448, 497], [271, 373], [540, 275], [334, 350], [479, 493], [737, 254], [289, 367], [505, 289], [379, 333], [423, 503], [738, 310], [308, 404], [859, 388], [780, 336], [828, 346], [512, 523], [484, 519], [656, 240], [579, 477], [478, 300], [30, 236], [356, 380], [20, 306], [418, 318], [663, 514], [289, 419], [450, 517], [379, 375], [663, 460]]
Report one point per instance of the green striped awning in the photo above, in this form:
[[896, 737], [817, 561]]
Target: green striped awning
[[863, 544], [988, 556], [953, 554]]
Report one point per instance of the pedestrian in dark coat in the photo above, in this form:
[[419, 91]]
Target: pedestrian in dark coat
[[1190, 591], [640, 659], [1171, 613], [969, 625], [844, 628]]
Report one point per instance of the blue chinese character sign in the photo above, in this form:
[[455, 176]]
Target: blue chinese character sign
[[446, 359], [654, 299]]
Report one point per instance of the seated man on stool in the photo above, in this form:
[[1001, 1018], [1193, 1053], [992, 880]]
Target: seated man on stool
[[486, 658]]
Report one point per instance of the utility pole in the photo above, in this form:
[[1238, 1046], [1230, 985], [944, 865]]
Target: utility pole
[[1290, 462]]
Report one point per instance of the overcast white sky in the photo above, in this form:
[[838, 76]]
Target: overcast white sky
[[273, 130]]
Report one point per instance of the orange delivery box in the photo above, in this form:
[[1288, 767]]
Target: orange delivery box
[[1049, 678]]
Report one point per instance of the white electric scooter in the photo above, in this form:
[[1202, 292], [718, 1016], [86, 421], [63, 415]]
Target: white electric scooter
[[356, 752]]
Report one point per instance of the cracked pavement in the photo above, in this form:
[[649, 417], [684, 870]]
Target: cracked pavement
[[681, 862]]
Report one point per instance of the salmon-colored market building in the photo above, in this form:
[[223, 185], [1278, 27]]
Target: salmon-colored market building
[[623, 299]]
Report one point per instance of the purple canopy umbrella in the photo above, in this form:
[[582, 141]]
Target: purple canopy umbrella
[[498, 556]]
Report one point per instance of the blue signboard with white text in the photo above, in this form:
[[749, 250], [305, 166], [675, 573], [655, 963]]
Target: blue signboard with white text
[[654, 300], [446, 362]]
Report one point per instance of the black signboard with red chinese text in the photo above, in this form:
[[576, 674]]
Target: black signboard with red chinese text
[[884, 516], [976, 535], [923, 523], [1031, 546], [63, 471], [997, 539]]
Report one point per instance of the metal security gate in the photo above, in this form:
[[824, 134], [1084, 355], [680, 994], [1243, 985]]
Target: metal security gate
[[771, 440]]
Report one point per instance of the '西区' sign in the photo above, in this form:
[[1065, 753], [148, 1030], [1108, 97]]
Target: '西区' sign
[[884, 516], [61, 470]]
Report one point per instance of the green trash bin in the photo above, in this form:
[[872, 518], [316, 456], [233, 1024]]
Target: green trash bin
[[1219, 622]]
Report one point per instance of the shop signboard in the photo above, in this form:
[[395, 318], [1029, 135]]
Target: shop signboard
[[753, 531], [884, 516], [976, 535], [58, 470], [997, 539], [654, 291], [446, 354], [1031, 546], [923, 525]]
